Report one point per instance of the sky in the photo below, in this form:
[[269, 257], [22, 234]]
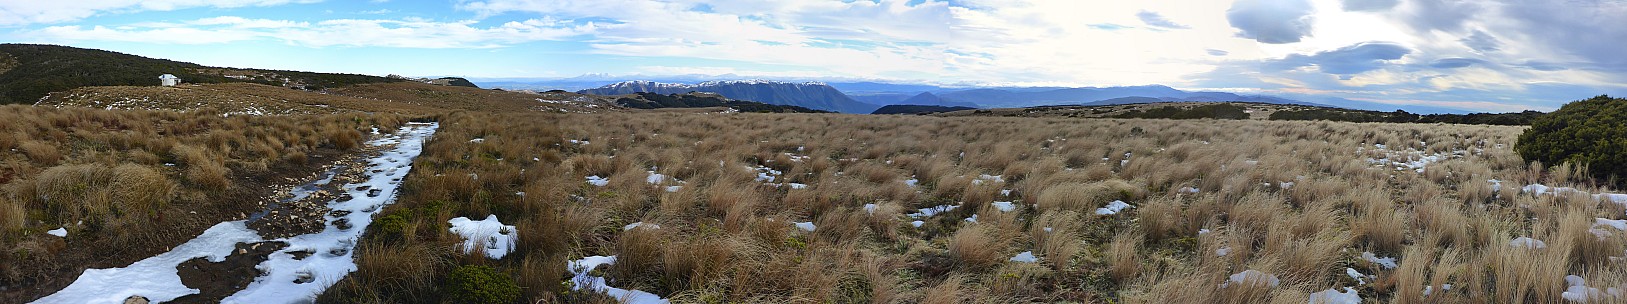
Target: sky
[[1480, 55]]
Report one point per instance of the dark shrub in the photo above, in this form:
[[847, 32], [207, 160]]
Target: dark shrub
[[481, 284], [1590, 132]]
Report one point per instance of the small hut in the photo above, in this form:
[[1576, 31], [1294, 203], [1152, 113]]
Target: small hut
[[168, 80]]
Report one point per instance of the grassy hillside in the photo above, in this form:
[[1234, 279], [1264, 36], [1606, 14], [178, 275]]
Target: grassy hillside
[[704, 100], [37, 70]]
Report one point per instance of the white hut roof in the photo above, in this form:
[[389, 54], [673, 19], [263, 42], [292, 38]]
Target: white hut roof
[[168, 76]]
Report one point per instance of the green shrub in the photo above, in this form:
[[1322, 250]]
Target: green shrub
[[481, 284], [1591, 132]]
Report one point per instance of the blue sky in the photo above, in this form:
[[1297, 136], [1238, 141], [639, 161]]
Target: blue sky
[[1482, 55]]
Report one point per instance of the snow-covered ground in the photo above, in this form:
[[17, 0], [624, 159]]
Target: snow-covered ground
[[581, 279], [1113, 208], [491, 234], [1409, 159], [156, 277]]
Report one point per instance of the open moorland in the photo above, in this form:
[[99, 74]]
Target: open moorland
[[774, 208], [810, 208]]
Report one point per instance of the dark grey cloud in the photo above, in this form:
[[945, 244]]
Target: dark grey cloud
[[1271, 21], [1482, 42], [1214, 52], [1344, 61], [1155, 20], [1369, 5], [1453, 63]]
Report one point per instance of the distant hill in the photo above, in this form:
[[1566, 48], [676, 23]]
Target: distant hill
[[923, 98], [29, 71], [918, 109], [812, 95], [644, 100], [454, 81], [1090, 96]]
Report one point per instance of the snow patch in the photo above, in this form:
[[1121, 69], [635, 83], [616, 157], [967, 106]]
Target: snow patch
[[1387, 263], [1113, 208], [1005, 206], [1330, 296], [580, 280], [498, 239], [1528, 243], [59, 232], [640, 225], [598, 181], [805, 226], [1252, 277], [1025, 257], [154, 278]]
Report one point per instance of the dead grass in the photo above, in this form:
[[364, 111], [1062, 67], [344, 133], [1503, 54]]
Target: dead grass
[[1295, 200], [156, 178]]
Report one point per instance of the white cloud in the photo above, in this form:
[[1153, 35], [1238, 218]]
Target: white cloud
[[407, 33], [22, 12]]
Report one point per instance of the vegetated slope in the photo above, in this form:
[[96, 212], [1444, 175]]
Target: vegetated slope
[[858, 208], [1590, 133], [229, 98], [1348, 115], [1165, 110], [812, 95], [917, 109], [1254, 110], [454, 98], [1210, 111], [123, 185], [704, 100], [454, 81], [42, 69]]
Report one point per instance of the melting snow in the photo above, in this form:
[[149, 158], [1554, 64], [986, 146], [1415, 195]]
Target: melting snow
[[1618, 224], [655, 178], [1579, 292], [1387, 263], [1360, 278], [154, 278], [582, 280], [59, 232], [917, 224], [1025, 257], [870, 209], [1431, 289], [640, 225], [498, 239], [805, 226], [1528, 242], [1113, 208], [927, 212], [598, 181], [1252, 277], [1005, 206], [1330, 296]]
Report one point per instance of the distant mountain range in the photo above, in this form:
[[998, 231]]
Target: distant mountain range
[[874, 94], [812, 95], [917, 109]]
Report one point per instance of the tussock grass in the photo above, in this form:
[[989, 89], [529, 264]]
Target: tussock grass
[[130, 183], [1298, 200]]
